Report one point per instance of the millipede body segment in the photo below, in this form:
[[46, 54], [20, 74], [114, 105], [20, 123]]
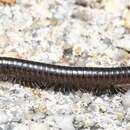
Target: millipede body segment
[[64, 78]]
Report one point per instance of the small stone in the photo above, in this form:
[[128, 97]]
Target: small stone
[[10, 54], [65, 122], [127, 116], [3, 117], [55, 21], [113, 6], [36, 92], [99, 100], [86, 98], [77, 51], [127, 19], [37, 11], [88, 122], [4, 40], [93, 107], [103, 108], [24, 22], [128, 126], [117, 54], [107, 41], [38, 126], [120, 117], [126, 99], [124, 43], [4, 127], [42, 109], [77, 108], [25, 2], [89, 3], [82, 14], [81, 2], [21, 127]]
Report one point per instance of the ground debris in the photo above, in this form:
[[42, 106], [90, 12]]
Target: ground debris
[[10, 2]]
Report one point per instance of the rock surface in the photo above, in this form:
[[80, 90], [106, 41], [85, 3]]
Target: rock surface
[[66, 32]]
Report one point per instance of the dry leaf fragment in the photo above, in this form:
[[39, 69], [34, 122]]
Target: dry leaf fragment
[[10, 2]]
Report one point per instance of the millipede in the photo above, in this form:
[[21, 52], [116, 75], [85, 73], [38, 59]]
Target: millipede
[[97, 80]]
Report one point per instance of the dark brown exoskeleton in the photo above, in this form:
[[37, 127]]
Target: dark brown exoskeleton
[[64, 78]]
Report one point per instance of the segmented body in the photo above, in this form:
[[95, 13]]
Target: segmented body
[[64, 78]]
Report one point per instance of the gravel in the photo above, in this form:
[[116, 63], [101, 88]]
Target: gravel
[[66, 32]]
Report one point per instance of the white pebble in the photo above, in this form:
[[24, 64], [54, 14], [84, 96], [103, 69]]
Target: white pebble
[[124, 43], [3, 117], [126, 99], [65, 122], [21, 127], [38, 126], [99, 100]]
